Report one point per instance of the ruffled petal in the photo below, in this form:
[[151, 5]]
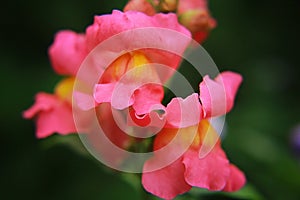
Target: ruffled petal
[[67, 52], [184, 112], [106, 26], [103, 92], [53, 115], [167, 182], [163, 44], [146, 97], [210, 172], [217, 96], [59, 120], [236, 179], [43, 102]]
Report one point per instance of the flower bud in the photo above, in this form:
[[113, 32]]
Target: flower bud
[[195, 16], [168, 5], [141, 6], [197, 20], [187, 5]]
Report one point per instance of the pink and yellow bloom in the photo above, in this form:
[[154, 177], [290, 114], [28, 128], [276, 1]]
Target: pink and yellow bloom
[[70, 49], [132, 82], [213, 171]]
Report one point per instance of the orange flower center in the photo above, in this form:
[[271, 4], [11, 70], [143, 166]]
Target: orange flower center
[[123, 64], [196, 136]]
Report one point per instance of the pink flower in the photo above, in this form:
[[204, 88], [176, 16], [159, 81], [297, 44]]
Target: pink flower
[[53, 112], [213, 171], [135, 68], [216, 99]]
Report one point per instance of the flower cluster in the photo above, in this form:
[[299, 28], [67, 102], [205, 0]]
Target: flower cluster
[[193, 14], [133, 81]]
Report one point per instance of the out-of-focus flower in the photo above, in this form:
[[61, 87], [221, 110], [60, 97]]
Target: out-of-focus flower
[[53, 112], [193, 14], [295, 140], [141, 6], [168, 5]]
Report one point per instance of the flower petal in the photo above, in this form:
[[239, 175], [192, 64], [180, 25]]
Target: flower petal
[[106, 26], [184, 112], [103, 92], [67, 52], [167, 182], [43, 102], [53, 115], [146, 97], [217, 96], [160, 37], [210, 172], [236, 179]]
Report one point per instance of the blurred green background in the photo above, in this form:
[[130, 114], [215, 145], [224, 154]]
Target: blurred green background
[[259, 39]]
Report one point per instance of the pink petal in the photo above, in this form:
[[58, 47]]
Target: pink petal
[[146, 125], [167, 182], [111, 125], [58, 120], [53, 115], [210, 172], [146, 97], [236, 180], [184, 112], [103, 92], [106, 26], [137, 81], [103, 136], [84, 101], [163, 44], [217, 96], [43, 102], [67, 52]]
